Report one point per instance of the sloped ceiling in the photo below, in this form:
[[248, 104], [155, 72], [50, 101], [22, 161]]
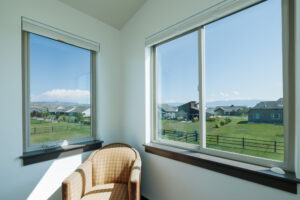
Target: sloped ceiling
[[112, 12]]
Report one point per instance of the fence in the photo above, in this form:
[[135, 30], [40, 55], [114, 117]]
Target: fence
[[225, 141], [51, 129]]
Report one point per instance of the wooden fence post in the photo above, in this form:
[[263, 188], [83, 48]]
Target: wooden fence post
[[196, 135], [275, 146], [243, 142], [186, 138], [217, 139]]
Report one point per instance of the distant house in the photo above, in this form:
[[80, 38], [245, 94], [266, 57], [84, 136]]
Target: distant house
[[188, 110], [229, 110], [182, 114], [210, 112], [267, 112], [167, 111], [87, 112], [60, 110]]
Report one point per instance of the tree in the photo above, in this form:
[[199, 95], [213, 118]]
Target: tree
[[78, 117]]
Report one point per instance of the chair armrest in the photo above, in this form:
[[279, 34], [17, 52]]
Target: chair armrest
[[78, 183], [135, 181]]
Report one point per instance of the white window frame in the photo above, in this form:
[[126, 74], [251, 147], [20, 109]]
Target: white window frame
[[196, 23], [31, 26]]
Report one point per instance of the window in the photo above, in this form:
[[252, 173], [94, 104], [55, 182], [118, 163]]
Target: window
[[58, 94], [276, 116], [204, 94]]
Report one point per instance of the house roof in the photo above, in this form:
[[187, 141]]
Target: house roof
[[80, 108], [210, 110], [230, 108], [58, 109], [168, 108], [192, 104], [269, 104]]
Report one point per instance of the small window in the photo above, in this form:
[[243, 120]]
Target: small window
[[58, 92], [276, 116], [256, 116]]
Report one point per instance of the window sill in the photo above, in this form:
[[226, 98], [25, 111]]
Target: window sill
[[59, 152], [250, 172]]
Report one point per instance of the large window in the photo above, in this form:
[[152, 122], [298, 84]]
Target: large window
[[58, 92], [220, 88]]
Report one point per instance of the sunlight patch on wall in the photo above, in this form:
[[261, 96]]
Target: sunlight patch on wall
[[54, 176]]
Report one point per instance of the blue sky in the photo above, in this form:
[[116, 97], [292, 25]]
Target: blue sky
[[58, 71], [243, 55]]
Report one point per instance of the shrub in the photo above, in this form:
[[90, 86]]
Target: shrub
[[196, 118], [228, 120], [218, 125], [179, 118], [86, 122], [212, 119], [60, 118], [223, 122]]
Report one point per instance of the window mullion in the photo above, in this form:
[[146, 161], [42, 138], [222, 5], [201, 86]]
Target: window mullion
[[201, 88]]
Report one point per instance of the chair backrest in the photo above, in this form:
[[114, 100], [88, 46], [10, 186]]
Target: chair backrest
[[113, 163]]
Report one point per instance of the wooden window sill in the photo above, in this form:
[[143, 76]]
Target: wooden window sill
[[59, 152], [250, 172]]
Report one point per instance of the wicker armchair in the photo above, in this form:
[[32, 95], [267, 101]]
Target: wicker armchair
[[110, 173]]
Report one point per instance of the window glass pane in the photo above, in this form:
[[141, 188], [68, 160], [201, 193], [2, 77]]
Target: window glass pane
[[176, 89], [59, 90], [244, 86]]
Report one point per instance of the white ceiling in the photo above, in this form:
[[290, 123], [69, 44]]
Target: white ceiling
[[112, 12]]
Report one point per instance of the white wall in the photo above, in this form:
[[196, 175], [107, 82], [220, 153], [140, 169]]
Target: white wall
[[43, 180], [165, 179]]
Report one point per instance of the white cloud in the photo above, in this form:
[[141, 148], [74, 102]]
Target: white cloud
[[236, 93], [62, 95], [224, 95]]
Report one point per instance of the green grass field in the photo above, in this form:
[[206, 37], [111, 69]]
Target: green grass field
[[237, 128], [42, 131]]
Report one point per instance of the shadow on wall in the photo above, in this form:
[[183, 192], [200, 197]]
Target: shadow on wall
[[49, 186]]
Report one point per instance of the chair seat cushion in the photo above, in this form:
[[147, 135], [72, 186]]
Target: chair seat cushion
[[112, 191]]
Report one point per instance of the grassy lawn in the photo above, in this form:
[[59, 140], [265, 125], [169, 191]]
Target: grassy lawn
[[237, 128], [42, 131]]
